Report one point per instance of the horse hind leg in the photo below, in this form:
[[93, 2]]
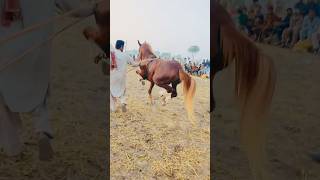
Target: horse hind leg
[[150, 92], [166, 87], [174, 90]]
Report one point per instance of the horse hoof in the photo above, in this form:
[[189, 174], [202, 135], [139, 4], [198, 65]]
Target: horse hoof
[[174, 95]]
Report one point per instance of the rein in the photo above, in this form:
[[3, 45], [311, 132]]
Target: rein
[[43, 23], [7, 63], [32, 48], [147, 66]]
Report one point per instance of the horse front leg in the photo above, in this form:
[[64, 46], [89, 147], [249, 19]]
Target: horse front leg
[[150, 91]]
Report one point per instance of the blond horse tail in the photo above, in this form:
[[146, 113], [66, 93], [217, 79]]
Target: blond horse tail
[[254, 87], [255, 103], [189, 89]]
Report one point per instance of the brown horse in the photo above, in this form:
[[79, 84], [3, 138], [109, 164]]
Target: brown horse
[[164, 73], [254, 86], [100, 35]]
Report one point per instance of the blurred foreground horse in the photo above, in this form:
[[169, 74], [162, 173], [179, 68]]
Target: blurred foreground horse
[[165, 72], [254, 83], [100, 35]]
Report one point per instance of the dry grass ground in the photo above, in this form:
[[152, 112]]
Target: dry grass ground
[[294, 121], [158, 142], [77, 112]]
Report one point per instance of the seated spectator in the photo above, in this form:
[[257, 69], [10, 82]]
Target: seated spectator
[[310, 25], [272, 20], [258, 13], [285, 23], [303, 8], [242, 20], [255, 6], [290, 35], [257, 29], [315, 39], [251, 22]]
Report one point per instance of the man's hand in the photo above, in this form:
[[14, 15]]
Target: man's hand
[[99, 57]]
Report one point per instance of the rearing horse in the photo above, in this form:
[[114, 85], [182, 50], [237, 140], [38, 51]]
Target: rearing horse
[[164, 73], [254, 83]]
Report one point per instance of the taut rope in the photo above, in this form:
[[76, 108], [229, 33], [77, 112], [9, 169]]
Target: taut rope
[[43, 23], [7, 63], [32, 48]]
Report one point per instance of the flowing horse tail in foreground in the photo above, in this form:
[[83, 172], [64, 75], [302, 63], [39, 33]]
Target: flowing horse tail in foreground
[[163, 73], [189, 89], [254, 86]]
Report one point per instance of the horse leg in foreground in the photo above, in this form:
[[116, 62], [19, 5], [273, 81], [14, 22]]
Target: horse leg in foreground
[[174, 89], [150, 92], [189, 89]]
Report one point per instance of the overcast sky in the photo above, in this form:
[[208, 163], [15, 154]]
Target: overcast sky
[[168, 25]]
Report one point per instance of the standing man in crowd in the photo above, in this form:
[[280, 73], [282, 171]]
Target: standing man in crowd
[[24, 85]]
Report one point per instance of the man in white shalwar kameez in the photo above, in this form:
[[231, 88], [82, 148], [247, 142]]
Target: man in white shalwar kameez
[[24, 85], [118, 73]]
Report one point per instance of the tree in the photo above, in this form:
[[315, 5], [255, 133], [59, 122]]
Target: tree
[[193, 50]]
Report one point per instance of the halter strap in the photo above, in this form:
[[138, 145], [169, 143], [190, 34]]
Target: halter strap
[[147, 66]]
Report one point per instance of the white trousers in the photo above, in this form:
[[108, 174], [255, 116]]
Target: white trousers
[[11, 126], [113, 101]]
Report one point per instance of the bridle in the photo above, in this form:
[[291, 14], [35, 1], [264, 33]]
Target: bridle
[[147, 67]]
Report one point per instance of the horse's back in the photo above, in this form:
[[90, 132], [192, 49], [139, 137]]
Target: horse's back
[[170, 65], [167, 70]]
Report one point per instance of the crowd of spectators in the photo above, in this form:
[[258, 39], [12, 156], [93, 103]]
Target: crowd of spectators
[[298, 29], [198, 69]]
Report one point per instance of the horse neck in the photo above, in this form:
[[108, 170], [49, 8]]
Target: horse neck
[[148, 56]]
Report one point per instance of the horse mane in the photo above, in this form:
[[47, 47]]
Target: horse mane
[[149, 48], [254, 84]]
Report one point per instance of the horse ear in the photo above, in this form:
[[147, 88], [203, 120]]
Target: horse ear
[[139, 43]]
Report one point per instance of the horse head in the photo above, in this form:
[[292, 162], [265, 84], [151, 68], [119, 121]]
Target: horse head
[[143, 68], [145, 51]]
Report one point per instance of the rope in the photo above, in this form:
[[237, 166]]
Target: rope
[[43, 23], [16, 59], [131, 70]]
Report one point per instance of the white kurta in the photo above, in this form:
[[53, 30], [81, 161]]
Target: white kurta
[[24, 84], [119, 74]]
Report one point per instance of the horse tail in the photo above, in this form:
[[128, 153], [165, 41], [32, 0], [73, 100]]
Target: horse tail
[[189, 89], [255, 100], [254, 87]]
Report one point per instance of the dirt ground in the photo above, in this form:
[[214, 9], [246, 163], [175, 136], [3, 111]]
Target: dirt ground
[[294, 121], [156, 141], [77, 109]]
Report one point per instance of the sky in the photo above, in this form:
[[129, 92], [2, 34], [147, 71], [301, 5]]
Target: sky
[[168, 25]]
